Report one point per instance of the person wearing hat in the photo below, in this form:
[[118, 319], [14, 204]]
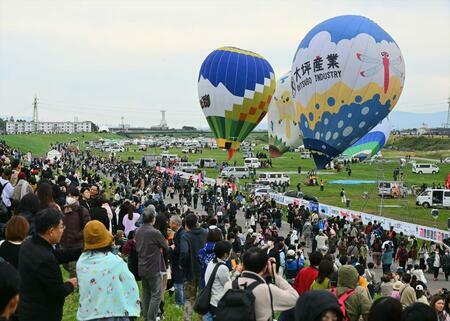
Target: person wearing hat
[[308, 309], [420, 294], [108, 289], [395, 288]]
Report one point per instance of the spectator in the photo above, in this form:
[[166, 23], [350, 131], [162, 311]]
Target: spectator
[[98, 212], [322, 282], [16, 232], [191, 242], [307, 275], [437, 302], [256, 268], [45, 195], [42, 291], [436, 262], [222, 251], [22, 188], [28, 207], [177, 273], [358, 303], [419, 312], [7, 192], [386, 259], [130, 220], [75, 218], [407, 292], [385, 308], [85, 197], [386, 286], [149, 245], [396, 290], [308, 309], [446, 263], [420, 294], [107, 288], [9, 290]]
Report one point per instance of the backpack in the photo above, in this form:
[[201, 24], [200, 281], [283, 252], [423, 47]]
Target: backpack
[[201, 305], [238, 304], [342, 300]]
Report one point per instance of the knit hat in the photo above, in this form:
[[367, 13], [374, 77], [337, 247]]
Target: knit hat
[[96, 236]]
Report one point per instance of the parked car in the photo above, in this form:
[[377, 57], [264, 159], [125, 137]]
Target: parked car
[[206, 162], [262, 191]]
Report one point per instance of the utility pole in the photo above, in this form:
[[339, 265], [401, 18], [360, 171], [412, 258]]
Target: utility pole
[[35, 113]]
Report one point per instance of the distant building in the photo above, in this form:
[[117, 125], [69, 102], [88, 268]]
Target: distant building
[[25, 127]]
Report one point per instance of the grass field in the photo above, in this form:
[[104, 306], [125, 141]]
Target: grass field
[[289, 162], [39, 144]]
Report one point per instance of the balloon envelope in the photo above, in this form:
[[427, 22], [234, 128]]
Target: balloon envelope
[[371, 143], [235, 87], [347, 75], [282, 118]]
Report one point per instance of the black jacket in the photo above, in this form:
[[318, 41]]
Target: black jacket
[[177, 273], [42, 290], [191, 242]]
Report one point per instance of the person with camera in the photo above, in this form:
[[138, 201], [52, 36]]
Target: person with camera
[[273, 292]]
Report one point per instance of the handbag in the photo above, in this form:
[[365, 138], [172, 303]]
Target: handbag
[[201, 305]]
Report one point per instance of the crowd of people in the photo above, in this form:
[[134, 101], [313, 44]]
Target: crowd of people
[[108, 225]]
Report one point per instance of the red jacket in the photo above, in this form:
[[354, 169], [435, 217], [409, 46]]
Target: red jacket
[[305, 278]]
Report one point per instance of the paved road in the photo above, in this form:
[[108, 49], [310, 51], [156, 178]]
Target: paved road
[[434, 286]]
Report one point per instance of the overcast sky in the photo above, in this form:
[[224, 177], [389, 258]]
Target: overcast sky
[[100, 60]]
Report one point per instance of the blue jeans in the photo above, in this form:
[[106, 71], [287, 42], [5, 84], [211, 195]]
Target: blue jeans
[[179, 293]]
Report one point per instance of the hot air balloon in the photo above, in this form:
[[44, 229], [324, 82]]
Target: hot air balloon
[[347, 75], [371, 143], [282, 118], [235, 87]]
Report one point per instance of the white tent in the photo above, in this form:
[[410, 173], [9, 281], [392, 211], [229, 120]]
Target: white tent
[[53, 154]]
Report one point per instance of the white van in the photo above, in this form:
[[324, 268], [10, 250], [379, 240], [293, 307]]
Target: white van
[[252, 162], [434, 198], [391, 189], [239, 172], [268, 178], [425, 168], [206, 162], [186, 167]]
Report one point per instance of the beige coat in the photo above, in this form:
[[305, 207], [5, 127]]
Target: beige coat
[[284, 296]]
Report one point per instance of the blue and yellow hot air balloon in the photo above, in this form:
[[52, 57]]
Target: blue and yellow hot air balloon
[[371, 143], [347, 75], [235, 87]]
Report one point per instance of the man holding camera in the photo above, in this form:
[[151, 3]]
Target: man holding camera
[[273, 293]]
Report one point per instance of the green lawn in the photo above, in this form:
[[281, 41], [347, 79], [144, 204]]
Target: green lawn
[[39, 144], [407, 211]]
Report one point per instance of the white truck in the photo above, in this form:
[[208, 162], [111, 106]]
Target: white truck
[[433, 197]]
